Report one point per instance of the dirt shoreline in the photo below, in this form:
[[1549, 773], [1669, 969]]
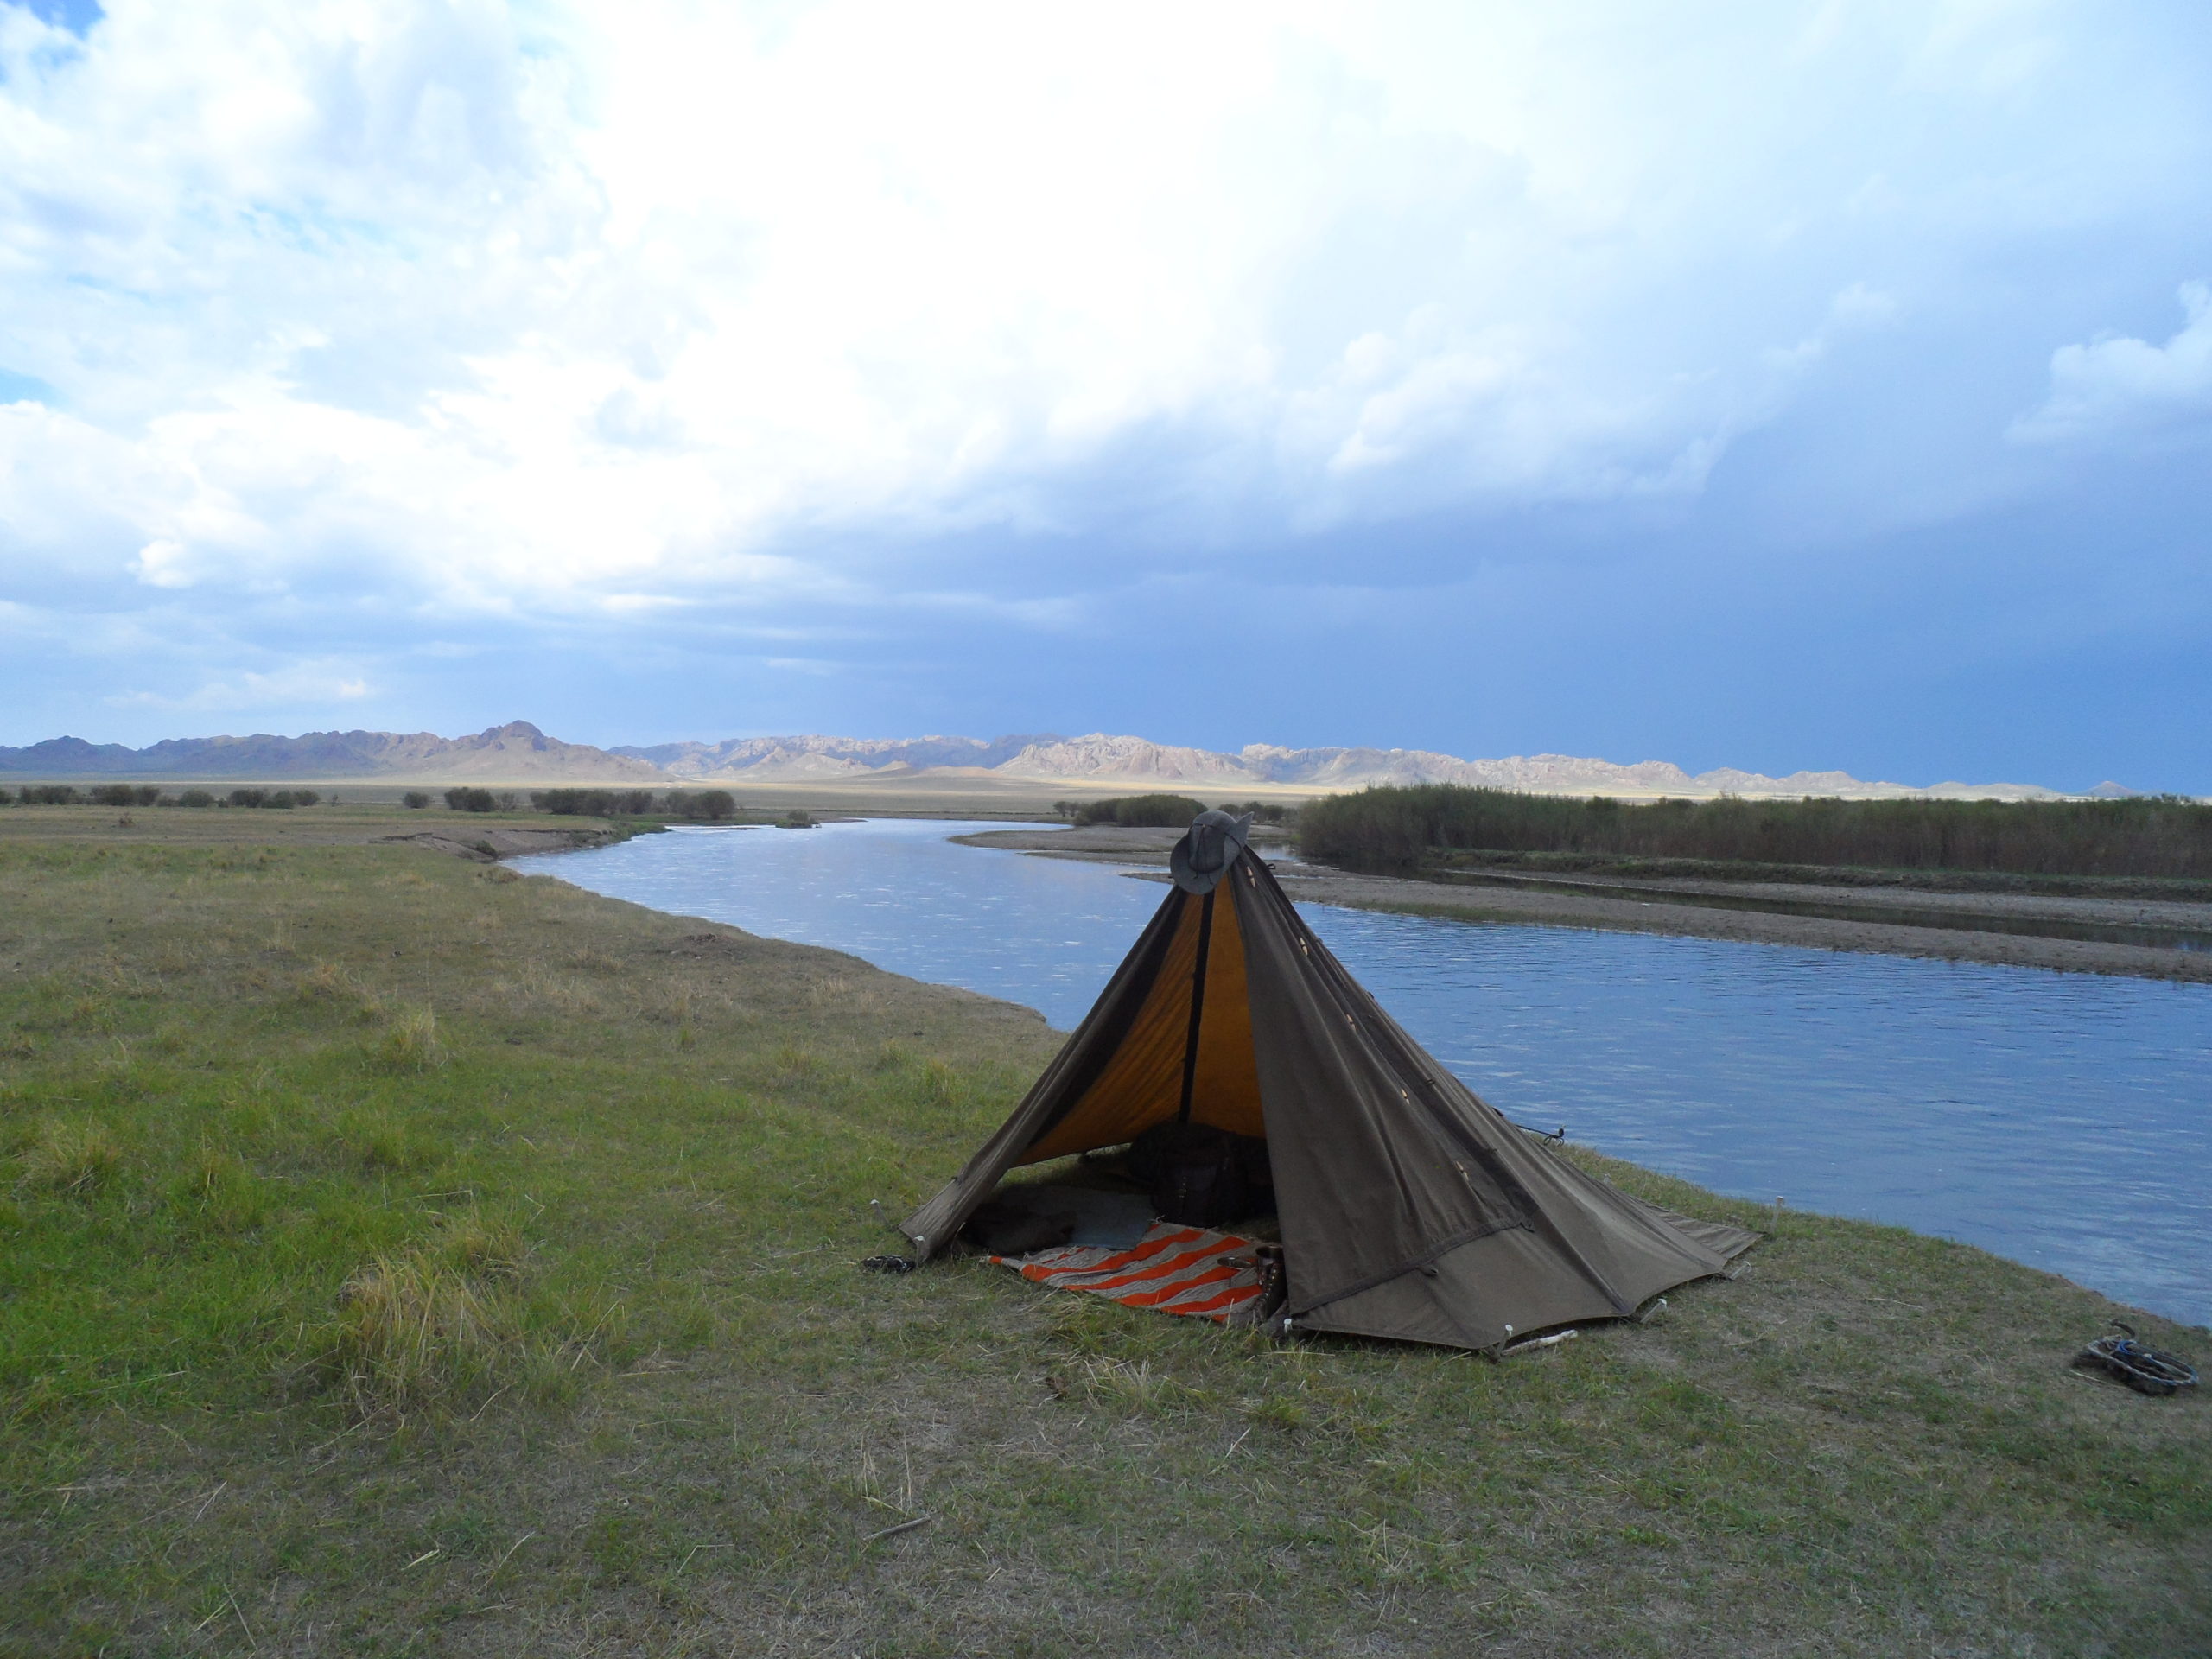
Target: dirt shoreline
[[489, 846], [1146, 849]]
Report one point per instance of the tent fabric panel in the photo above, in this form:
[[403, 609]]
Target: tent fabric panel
[[1363, 1174], [1227, 1094], [1723, 1240], [1627, 1247], [1087, 1052], [1467, 1297], [1142, 1081], [1632, 1246], [1364, 1182], [1142, 1084]]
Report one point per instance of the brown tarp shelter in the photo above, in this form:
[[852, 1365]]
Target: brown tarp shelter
[[1409, 1208]]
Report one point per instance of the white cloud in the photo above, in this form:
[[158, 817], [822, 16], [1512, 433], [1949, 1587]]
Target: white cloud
[[163, 564], [492, 310], [2123, 386], [310, 682]]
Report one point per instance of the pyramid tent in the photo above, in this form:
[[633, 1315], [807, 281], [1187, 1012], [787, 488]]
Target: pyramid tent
[[1409, 1208]]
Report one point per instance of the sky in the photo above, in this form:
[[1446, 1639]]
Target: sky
[[1773, 384]]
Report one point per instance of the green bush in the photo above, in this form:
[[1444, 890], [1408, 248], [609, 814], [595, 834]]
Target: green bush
[[1141, 812], [713, 805], [1261, 811], [125, 795], [195, 797], [470, 800], [2160, 836], [249, 797], [593, 803], [48, 795], [414, 799]]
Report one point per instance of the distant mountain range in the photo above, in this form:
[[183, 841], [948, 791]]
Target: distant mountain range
[[515, 752], [520, 753]]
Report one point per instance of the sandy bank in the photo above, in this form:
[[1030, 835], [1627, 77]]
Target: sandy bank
[[1598, 903], [1110, 844]]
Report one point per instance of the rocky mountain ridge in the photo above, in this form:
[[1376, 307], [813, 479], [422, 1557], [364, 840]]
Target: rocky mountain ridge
[[827, 757], [520, 753], [515, 752]]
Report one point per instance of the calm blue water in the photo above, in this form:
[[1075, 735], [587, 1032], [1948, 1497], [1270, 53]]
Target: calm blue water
[[2064, 1120]]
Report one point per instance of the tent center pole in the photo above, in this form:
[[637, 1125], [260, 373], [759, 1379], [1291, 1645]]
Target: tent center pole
[[1197, 1007]]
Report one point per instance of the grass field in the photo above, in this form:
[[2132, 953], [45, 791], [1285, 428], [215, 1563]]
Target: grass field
[[399, 1256]]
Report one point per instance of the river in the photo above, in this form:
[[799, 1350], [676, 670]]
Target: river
[[2064, 1120]]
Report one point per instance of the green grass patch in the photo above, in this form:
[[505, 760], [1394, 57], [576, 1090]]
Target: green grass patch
[[396, 1256]]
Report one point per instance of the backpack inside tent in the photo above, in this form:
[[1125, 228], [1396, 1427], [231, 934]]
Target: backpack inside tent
[[1236, 1052]]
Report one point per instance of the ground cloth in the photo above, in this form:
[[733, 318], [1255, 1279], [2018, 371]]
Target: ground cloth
[[1172, 1269]]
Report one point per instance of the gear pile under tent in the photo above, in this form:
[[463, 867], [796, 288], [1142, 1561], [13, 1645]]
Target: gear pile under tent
[[1231, 1053]]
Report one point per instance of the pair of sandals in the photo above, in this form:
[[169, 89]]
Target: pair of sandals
[[2142, 1368]]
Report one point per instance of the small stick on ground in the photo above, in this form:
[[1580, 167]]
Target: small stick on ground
[[892, 1532]]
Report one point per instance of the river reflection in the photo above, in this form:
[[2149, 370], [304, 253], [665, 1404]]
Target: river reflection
[[2064, 1120]]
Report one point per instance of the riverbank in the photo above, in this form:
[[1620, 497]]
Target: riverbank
[[255, 1091], [479, 837], [1602, 902]]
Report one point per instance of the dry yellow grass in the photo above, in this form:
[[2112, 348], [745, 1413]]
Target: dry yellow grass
[[69, 1157], [410, 1042], [413, 1332]]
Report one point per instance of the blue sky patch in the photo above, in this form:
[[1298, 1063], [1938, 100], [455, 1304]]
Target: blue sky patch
[[25, 389], [77, 16]]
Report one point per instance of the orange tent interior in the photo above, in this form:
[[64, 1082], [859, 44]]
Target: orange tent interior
[[1143, 1084]]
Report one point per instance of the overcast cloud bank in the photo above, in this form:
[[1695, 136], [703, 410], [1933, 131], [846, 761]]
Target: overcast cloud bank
[[848, 363]]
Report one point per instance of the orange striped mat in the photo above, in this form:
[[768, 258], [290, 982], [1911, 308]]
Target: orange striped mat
[[1172, 1270]]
